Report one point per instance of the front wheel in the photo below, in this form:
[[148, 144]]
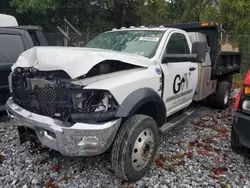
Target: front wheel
[[135, 147]]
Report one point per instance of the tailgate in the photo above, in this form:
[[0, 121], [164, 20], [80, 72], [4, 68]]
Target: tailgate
[[229, 62]]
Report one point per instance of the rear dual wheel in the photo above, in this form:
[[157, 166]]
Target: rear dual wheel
[[220, 98], [222, 95], [135, 147]]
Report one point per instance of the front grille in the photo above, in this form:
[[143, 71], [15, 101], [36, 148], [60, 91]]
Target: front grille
[[53, 99], [49, 101]]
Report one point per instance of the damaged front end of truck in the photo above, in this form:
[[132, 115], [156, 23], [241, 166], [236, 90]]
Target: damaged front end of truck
[[53, 101]]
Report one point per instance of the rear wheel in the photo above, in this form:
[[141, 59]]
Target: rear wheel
[[134, 147], [222, 94], [220, 98]]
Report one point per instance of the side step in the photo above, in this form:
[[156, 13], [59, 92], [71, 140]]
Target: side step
[[175, 120]]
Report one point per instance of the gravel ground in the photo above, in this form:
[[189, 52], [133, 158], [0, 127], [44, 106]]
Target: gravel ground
[[195, 154]]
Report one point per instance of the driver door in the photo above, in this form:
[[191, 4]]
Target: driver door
[[180, 78]]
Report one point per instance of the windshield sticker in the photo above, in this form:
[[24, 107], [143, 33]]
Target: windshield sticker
[[155, 39], [139, 53]]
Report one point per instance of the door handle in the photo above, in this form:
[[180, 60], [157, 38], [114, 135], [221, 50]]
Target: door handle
[[192, 68]]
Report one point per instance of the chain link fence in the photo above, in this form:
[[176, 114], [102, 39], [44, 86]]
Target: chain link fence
[[57, 39]]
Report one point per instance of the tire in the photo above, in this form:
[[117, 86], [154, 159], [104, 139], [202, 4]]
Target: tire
[[210, 101], [4, 116], [137, 133], [222, 94], [230, 81], [234, 141]]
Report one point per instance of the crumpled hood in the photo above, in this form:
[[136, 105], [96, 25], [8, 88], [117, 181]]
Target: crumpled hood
[[73, 60]]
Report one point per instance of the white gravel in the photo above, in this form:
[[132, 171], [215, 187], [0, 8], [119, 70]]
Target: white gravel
[[194, 154]]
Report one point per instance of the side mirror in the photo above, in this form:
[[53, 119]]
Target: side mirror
[[81, 44], [199, 48]]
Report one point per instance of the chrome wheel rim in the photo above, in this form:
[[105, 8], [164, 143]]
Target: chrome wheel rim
[[143, 149]]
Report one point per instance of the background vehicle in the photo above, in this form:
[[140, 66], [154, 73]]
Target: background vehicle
[[120, 90], [240, 132], [14, 40]]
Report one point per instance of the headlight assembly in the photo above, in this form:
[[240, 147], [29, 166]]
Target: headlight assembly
[[246, 105], [93, 105]]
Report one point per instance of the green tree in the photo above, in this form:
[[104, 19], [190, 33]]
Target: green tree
[[175, 10], [235, 16], [83, 14], [152, 12], [97, 16]]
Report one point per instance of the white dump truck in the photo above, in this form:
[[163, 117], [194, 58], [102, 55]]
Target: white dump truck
[[120, 90]]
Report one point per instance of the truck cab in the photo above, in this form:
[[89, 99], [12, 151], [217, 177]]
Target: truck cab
[[119, 91]]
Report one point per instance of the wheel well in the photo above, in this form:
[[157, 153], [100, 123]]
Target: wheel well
[[153, 110], [227, 77]]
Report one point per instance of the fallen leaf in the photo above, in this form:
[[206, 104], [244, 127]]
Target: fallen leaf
[[50, 184], [123, 182], [223, 132], [215, 122], [178, 157], [160, 160], [182, 151], [219, 171], [194, 143], [214, 177], [56, 168], [217, 160], [190, 155], [204, 152]]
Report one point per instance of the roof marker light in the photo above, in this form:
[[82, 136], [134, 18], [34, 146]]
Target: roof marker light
[[204, 24]]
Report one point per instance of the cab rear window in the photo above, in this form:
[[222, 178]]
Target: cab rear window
[[11, 46]]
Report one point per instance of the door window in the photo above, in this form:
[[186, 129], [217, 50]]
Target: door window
[[177, 44], [11, 46]]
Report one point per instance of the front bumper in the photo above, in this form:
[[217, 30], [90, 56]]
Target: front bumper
[[242, 127], [80, 139]]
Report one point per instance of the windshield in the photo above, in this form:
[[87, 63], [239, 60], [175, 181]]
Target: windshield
[[138, 42], [11, 47]]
